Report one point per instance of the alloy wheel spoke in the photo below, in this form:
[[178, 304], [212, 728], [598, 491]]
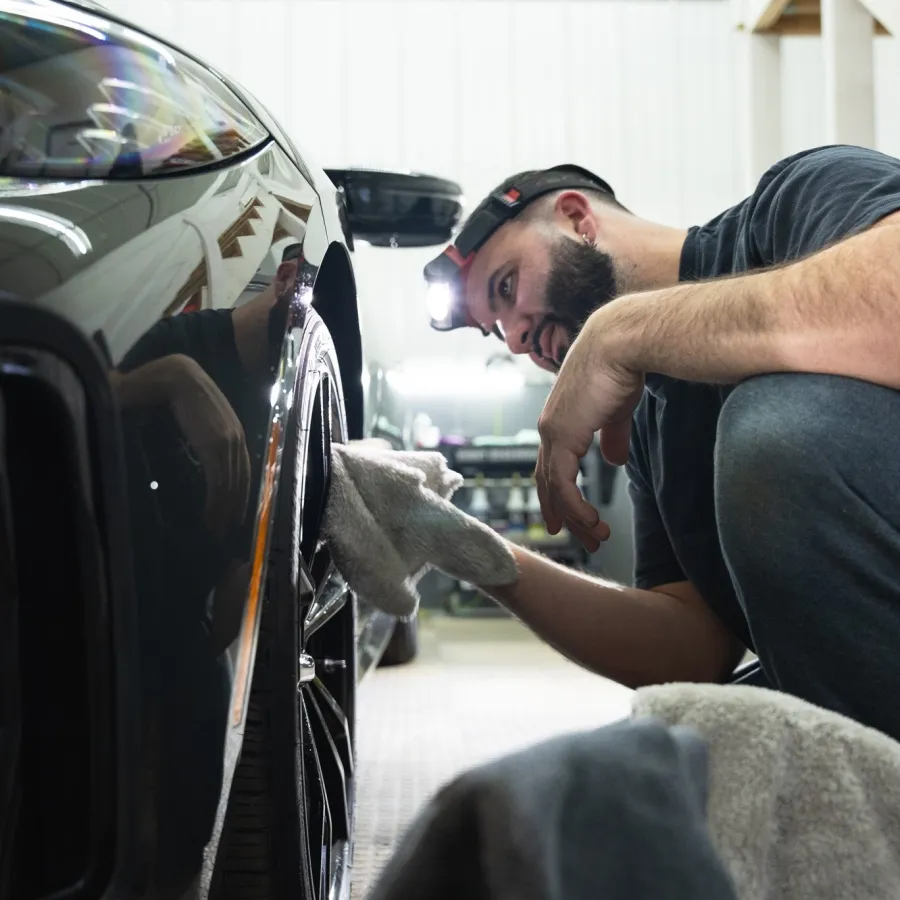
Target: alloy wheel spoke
[[335, 722], [329, 600], [331, 761], [317, 809], [306, 584]]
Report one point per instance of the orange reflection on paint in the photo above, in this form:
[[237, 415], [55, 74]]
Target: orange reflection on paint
[[248, 628]]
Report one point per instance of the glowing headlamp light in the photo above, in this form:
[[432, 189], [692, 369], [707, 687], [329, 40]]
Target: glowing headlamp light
[[439, 300], [445, 296]]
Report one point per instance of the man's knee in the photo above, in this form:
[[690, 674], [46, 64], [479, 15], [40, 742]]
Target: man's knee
[[789, 448], [773, 436]]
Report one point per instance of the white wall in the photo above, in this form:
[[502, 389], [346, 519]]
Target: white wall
[[642, 91], [803, 105]]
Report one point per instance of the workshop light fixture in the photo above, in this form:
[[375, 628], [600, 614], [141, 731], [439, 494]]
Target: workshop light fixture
[[454, 380]]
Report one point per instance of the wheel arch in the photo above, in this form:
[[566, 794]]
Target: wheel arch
[[335, 300]]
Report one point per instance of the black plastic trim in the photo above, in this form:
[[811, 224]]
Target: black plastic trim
[[27, 326], [10, 702]]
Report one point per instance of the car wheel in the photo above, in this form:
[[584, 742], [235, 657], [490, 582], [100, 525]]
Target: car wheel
[[403, 646], [288, 825]]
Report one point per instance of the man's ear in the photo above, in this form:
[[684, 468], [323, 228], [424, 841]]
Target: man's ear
[[575, 209]]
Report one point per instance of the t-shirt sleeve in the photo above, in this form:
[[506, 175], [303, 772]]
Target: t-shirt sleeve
[[811, 200], [654, 559]]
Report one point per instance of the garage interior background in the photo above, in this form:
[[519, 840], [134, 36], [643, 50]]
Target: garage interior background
[[656, 96]]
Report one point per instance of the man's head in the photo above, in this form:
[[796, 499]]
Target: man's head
[[540, 275]]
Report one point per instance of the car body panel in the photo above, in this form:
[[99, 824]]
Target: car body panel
[[133, 264]]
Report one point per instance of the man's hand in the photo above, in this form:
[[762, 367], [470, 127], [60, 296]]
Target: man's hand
[[592, 393]]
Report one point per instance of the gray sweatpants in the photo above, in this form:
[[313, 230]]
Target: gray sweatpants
[[808, 510]]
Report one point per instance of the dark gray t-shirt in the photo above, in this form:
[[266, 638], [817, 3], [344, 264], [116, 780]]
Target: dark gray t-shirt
[[800, 206]]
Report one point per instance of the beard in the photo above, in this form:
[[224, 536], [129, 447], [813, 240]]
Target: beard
[[581, 280]]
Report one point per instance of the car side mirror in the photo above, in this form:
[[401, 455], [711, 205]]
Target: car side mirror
[[396, 209]]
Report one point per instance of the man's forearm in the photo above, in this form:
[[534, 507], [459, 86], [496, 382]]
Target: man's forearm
[[831, 313], [631, 636]]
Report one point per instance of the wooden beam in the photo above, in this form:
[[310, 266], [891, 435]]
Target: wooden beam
[[808, 26], [847, 44], [886, 13], [803, 17], [759, 15], [802, 8], [803, 25]]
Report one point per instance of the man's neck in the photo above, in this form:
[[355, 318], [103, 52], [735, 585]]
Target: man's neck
[[650, 257]]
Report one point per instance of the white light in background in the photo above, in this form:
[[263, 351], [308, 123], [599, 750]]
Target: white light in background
[[456, 380]]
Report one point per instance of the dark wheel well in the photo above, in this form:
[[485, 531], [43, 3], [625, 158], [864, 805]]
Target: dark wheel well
[[334, 299]]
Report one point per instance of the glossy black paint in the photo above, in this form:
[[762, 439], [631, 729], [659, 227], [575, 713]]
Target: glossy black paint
[[187, 299]]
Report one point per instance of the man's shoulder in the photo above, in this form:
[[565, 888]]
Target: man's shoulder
[[822, 158], [805, 164]]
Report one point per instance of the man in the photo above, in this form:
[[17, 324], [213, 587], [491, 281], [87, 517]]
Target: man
[[748, 372]]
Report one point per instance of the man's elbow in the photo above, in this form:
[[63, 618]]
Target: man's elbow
[[702, 649]]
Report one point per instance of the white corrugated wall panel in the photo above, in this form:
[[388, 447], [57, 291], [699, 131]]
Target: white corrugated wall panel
[[803, 111]]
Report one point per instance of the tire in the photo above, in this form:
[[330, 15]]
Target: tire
[[403, 646], [288, 824]]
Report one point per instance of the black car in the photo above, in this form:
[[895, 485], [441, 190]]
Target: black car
[[179, 349]]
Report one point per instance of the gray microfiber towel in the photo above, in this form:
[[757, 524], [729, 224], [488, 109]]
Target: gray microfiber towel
[[804, 803], [612, 814], [389, 517]]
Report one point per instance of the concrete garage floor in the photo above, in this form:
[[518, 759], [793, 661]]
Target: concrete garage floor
[[480, 688]]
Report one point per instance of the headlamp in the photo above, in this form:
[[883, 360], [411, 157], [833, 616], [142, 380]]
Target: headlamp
[[445, 297], [446, 274]]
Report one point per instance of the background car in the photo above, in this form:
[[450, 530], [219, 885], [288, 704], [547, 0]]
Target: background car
[[179, 349]]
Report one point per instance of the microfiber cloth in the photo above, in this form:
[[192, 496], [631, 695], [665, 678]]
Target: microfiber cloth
[[388, 517], [618, 813], [804, 803]]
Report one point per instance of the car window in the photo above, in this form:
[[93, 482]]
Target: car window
[[81, 97]]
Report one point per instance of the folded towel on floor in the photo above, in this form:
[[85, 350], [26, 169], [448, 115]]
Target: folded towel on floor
[[804, 803], [389, 517], [617, 813]]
